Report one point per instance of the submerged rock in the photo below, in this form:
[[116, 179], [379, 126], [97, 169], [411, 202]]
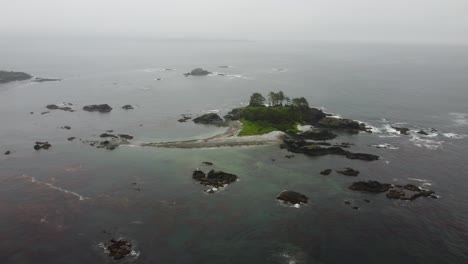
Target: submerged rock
[[42, 145], [402, 130], [71, 138], [349, 172], [56, 107], [422, 132], [102, 108], [66, 127], [370, 186], [106, 135], [10, 76], [326, 172], [118, 249], [125, 136], [37, 79], [197, 72], [128, 107], [184, 118], [214, 178], [208, 163], [7, 152], [292, 197], [209, 119]]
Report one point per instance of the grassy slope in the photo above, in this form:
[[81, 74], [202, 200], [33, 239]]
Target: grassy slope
[[262, 120]]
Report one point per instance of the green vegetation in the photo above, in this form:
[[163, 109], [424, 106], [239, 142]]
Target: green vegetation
[[282, 114]]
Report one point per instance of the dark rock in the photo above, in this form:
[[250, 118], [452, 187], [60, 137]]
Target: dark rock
[[109, 131], [118, 249], [395, 194], [289, 156], [422, 132], [32, 113], [106, 135], [316, 134], [10, 76], [362, 156], [343, 145], [214, 178], [234, 114], [66, 127], [208, 163], [46, 112], [7, 152], [184, 118], [370, 186], [341, 124], [125, 136], [313, 149], [71, 138], [347, 202], [42, 145], [349, 172], [209, 119], [198, 72], [411, 187], [102, 108], [402, 130], [326, 172], [37, 79], [127, 107], [292, 197], [356, 207], [367, 200], [56, 107]]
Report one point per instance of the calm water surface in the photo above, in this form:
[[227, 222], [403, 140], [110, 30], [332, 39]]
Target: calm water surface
[[58, 205]]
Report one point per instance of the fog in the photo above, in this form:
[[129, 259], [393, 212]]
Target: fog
[[325, 20]]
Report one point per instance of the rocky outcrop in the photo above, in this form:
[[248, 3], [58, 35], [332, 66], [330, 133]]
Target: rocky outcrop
[[349, 172], [209, 119], [42, 145], [343, 124], [312, 149], [316, 134], [128, 107], [118, 249], [197, 72], [326, 172], [402, 130], [234, 114], [102, 108], [292, 197], [214, 178], [370, 186], [63, 108], [10, 76], [422, 132], [184, 118]]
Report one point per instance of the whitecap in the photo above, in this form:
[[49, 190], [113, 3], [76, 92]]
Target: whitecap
[[425, 143], [453, 135], [213, 111], [385, 145], [80, 197]]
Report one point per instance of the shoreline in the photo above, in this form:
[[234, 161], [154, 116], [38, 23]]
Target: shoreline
[[229, 138]]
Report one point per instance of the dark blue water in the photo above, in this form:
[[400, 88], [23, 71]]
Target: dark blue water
[[57, 206]]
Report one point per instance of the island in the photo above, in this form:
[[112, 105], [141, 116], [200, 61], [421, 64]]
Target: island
[[11, 76]]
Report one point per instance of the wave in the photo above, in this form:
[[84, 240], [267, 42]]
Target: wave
[[425, 143], [150, 70], [385, 145]]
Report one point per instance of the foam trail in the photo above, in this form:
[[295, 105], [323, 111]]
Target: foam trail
[[80, 197]]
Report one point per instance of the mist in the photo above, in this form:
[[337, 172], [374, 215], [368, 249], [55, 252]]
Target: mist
[[320, 20]]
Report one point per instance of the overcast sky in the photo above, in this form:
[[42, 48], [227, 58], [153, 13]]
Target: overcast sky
[[336, 20]]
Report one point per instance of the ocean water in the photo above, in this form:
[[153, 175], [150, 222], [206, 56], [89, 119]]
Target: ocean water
[[60, 205]]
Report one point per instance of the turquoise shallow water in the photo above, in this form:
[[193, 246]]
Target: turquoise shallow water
[[57, 206]]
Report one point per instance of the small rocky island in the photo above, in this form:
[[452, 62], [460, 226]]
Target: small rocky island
[[197, 72], [11, 76]]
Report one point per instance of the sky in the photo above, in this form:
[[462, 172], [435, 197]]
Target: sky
[[322, 20]]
